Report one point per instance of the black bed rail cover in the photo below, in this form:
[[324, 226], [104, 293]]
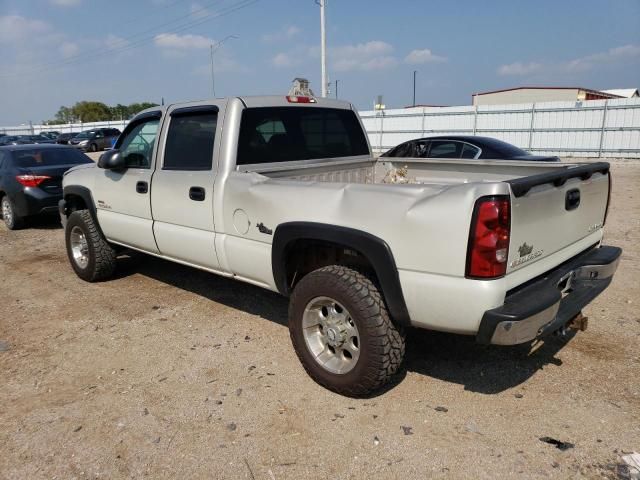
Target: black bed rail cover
[[520, 186]]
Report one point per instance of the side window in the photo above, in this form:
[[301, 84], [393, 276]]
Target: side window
[[190, 141], [137, 144], [99, 134], [421, 150], [469, 151], [445, 149]]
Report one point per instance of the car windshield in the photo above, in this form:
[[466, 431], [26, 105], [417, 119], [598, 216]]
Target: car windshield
[[87, 134], [35, 157]]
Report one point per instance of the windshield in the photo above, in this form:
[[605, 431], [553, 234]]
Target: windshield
[[281, 134], [35, 157], [87, 134]]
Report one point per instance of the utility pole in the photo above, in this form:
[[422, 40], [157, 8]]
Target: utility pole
[[215, 47], [337, 89], [414, 87], [323, 48]]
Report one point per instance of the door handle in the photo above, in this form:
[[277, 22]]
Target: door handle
[[196, 194], [572, 199], [142, 187]]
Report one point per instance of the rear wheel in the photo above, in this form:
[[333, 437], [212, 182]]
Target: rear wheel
[[11, 219], [91, 256], [342, 332]]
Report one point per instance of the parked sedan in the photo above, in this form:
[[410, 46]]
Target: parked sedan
[[31, 179], [10, 140], [464, 147], [64, 138], [96, 139]]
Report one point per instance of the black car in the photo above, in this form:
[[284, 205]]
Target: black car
[[64, 138], [31, 179], [464, 147], [10, 140]]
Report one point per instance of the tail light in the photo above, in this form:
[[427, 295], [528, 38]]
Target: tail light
[[31, 180], [299, 99], [488, 248]]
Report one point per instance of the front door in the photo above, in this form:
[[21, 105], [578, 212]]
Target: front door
[[182, 189], [122, 198]]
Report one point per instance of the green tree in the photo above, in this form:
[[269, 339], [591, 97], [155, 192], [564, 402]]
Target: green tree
[[91, 111], [64, 115]]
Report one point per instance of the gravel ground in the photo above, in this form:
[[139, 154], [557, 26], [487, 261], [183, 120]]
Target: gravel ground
[[169, 372]]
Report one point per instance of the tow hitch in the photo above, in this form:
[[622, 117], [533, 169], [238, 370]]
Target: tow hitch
[[579, 322]]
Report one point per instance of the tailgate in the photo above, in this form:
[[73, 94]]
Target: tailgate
[[553, 211]]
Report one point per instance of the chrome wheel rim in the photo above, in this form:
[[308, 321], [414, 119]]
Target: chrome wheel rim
[[79, 247], [7, 214], [331, 335]]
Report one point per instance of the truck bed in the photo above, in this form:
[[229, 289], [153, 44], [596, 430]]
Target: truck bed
[[406, 171]]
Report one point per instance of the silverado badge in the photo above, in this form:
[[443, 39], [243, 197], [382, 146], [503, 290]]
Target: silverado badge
[[526, 253]]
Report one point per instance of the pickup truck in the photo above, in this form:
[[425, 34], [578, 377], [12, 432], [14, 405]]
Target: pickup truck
[[284, 193]]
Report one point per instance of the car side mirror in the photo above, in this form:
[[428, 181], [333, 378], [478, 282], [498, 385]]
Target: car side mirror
[[112, 160]]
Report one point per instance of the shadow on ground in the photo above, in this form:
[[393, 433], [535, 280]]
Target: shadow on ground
[[451, 358], [44, 222]]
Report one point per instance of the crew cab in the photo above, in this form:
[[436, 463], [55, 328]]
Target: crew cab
[[283, 193]]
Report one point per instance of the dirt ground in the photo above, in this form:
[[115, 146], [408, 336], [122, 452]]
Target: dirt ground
[[169, 372]]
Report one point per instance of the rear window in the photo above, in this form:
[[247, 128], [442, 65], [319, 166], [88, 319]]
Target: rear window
[[284, 134], [46, 157]]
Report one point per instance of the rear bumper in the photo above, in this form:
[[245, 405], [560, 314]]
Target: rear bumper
[[549, 302], [33, 201]]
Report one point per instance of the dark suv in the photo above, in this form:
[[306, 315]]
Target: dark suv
[[95, 139], [31, 179]]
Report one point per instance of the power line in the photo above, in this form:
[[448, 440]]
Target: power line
[[88, 56]]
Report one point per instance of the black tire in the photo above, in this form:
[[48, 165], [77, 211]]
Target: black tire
[[101, 255], [381, 343], [93, 147], [12, 220]]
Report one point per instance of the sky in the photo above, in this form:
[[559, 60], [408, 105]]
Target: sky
[[58, 52]]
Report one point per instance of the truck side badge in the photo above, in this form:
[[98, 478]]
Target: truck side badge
[[264, 229]]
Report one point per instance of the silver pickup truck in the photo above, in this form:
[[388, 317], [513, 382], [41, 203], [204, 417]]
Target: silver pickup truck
[[283, 193]]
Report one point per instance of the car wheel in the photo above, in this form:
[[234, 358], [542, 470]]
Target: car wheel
[[342, 333], [91, 256], [11, 219], [93, 147]]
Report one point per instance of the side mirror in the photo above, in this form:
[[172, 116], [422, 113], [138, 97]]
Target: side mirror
[[112, 160]]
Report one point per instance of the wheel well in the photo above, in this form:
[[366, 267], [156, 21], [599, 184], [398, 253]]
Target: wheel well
[[74, 202], [306, 255]]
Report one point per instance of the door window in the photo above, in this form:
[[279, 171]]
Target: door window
[[190, 141], [136, 146], [445, 149], [469, 151], [421, 150]]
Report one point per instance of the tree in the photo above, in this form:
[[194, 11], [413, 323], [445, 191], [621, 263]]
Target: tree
[[91, 111], [64, 115]]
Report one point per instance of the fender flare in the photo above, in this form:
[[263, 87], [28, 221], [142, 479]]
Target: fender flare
[[85, 194], [375, 249]]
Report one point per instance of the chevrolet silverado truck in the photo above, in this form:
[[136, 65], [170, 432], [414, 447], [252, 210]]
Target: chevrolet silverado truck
[[284, 193]]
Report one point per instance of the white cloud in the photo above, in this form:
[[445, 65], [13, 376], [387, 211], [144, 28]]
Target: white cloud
[[198, 11], [425, 55], [114, 41], [613, 55], [519, 68], [282, 60], [65, 3], [373, 55], [69, 49], [14, 28], [172, 40], [287, 33]]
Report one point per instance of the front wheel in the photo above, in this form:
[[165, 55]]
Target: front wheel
[[342, 332], [91, 256], [11, 219]]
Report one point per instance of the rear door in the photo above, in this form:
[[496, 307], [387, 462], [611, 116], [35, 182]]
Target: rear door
[[182, 186]]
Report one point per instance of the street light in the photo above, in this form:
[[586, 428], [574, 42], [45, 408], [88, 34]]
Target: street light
[[215, 47]]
